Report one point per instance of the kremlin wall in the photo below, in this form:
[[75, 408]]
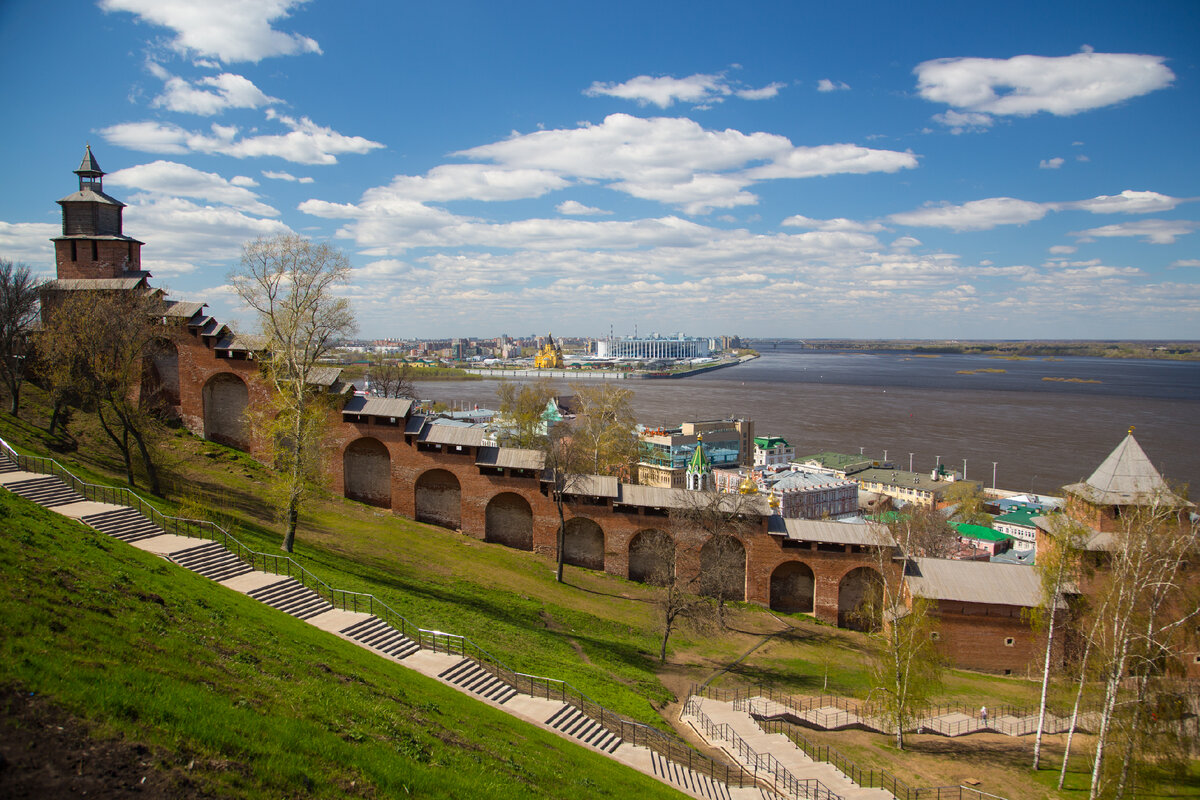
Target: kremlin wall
[[389, 457]]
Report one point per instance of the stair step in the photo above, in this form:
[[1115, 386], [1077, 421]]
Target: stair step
[[376, 634], [47, 492], [124, 524], [578, 725], [468, 675], [293, 598], [212, 561]]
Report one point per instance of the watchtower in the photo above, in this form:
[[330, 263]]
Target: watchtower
[[92, 244]]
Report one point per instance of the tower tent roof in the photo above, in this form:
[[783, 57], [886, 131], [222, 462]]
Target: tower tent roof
[[1125, 478], [89, 166]]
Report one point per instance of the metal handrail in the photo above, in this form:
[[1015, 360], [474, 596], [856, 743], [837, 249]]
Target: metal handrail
[[627, 729], [782, 779]]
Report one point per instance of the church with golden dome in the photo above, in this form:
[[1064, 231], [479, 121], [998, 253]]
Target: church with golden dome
[[550, 356]]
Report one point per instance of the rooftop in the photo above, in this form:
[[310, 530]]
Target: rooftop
[[1125, 478], [838, 461], [974, 582]]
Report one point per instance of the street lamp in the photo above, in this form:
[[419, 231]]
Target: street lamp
[[994, 475], [910, 455], [964, 469]]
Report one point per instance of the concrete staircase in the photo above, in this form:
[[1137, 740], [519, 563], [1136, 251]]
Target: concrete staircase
[[7, 464], [124, 524], [578, 725], [48, 492], [291, 597], [211, 560], [375, 634], [695, 782], [468, 675]]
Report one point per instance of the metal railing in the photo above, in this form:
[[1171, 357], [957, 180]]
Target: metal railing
[[627, 729], [779, 777]]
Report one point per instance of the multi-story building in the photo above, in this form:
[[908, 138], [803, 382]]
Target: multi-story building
[[1020, 526], [665, 452], [772, 451], [840, 465], [909, 487], [652, 347], [800, 495]]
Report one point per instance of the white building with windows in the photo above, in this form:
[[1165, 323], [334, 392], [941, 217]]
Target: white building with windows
[[652, 347], [770, 451]]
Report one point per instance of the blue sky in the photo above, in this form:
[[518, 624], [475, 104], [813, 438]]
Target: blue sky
[[855, 169]]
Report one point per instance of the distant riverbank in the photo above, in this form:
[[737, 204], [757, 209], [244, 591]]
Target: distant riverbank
[[1154, 350]]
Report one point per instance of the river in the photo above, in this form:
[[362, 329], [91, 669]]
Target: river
[[1041, 433]]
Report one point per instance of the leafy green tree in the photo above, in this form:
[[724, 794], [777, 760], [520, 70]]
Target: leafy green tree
[[291, 284]]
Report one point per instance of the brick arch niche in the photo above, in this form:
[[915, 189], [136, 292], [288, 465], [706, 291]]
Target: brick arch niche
[[583, 543], [367, 472], [723, 567], [859, 591], [508, 520], [225, 399], [160, 378], [793, 588], [438, 499], [651, 557]]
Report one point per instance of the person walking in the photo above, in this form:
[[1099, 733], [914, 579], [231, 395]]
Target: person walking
[[983, 716]]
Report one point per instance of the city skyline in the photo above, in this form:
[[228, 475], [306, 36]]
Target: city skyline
[[859, 170]]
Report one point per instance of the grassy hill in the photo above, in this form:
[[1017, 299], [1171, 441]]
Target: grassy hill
[[216, 694]]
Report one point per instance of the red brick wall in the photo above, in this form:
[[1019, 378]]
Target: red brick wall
[[113, 257], [973, 636]]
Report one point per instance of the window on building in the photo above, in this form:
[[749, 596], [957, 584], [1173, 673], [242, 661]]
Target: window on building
[[1009, 642], [935, 636]]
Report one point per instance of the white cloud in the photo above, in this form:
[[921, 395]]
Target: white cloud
[[958, 122], [168, 178], [1062, 249], [826, 85], [230, 30], [306, 143], [976, 215], [761, 93], [1026, 85], [675, 160], [184, 234], [839, 224], [243, 180], [29, 243], [1154, 231], [211, 95], [476, 182], [1127, 202], [1184, 262], [1050, 163], [664, 91], [576, 209]]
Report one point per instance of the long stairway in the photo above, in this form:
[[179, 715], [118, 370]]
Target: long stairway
[[578, 725], [48, 492], [291, 597], [124, 524], [375, 634], [468, 675], [695, 782]]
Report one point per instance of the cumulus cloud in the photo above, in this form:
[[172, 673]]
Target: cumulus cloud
[[476, 182], [285, 176], [306, 143], [664, 91], [1026, 85], [1062, 249], [211, 95], [964, 122], [826, 85], [1184, 262], [839, 224], [1153, 231], [1050, 163], [229, 30], [1127, 202], [577, 209], [168, 178], [976, 215], [676, 161], [28, 242]]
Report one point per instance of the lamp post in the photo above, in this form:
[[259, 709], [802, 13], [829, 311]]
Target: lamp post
[[910, 455], [994, 475]]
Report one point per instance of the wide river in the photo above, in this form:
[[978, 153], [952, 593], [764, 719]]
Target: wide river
[[1041, 433]]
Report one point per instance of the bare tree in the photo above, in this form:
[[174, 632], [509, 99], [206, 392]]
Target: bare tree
[[716, 523], [521, 408], [18, 312], [968, 498], [292, 286], [390, 378], [94, 347], [906, 668], [925, 532], [604, 429]]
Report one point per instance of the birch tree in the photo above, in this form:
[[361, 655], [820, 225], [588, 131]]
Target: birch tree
[[1145, 593], [291, 284], [1058, 567], [18, 312]]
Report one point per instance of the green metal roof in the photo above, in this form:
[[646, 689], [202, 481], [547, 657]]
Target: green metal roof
[[700, 462], [1021, 516], [980, 532], [767, 442], [838, 461]]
